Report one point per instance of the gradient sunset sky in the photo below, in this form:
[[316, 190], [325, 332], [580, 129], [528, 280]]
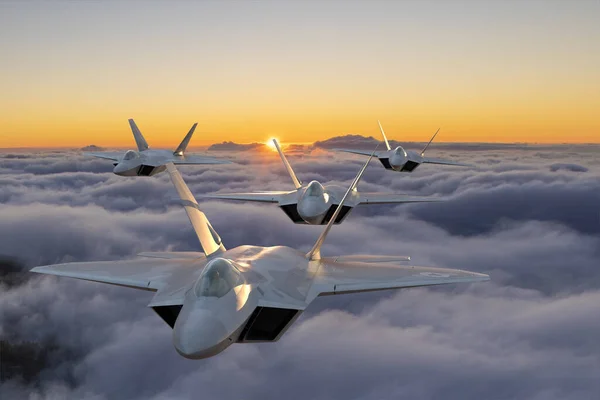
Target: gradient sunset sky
[[72, 73]]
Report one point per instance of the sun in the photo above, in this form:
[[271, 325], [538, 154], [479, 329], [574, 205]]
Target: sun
[[269, 143]]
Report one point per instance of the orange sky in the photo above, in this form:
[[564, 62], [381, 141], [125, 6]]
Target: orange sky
[[73, 73]]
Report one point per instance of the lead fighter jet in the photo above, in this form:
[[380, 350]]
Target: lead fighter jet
[[149, 162], [315, 203], [402, 160], [250, 293]]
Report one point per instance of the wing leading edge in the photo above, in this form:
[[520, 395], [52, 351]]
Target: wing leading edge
[[392, 198], [108, 155], [341, 278], [361, 152], [265, 197], [441, 161], [142, 274]]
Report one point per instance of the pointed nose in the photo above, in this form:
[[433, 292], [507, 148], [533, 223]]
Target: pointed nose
[[120, 169], [200, 335]]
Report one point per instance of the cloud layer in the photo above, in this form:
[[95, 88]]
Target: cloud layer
[[529, 216]]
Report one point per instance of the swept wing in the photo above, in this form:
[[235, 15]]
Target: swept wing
[[340, 278], [137, 273], [194, 160], [361, 152], [265, 197], [108, 155], [392, 198], [441, 161]]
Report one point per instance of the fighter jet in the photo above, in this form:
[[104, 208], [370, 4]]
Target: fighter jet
[[402, 160], [149, 162], [315, 203], [247, 294]]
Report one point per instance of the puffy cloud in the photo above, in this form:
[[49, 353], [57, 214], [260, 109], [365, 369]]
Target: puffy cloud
[[531, 333]]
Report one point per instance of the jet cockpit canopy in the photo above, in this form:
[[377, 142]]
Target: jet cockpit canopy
[[130, 155], [400, 151], [315, 189], [217, 279]]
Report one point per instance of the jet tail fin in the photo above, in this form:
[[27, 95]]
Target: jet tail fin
[[208, 237], [315, 252], [297, 183], [384, 137], [184, 143], [430, 140], [137, 135]]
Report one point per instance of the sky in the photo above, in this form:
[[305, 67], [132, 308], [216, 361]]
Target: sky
[[526, 215], [72, 73]]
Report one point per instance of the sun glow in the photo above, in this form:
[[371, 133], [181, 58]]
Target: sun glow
[[269, 143]]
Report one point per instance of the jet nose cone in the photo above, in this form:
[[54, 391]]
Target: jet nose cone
[[200, 335], [120, 169]]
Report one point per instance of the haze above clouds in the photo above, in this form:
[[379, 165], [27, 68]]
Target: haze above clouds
[[527, 215]]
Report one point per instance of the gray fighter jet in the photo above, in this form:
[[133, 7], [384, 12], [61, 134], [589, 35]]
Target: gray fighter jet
[[315, 203], [247, 294], [149, 162], [401, 160]]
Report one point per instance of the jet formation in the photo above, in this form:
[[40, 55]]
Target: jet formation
[[248, 294], [315, 203], [148, 162]]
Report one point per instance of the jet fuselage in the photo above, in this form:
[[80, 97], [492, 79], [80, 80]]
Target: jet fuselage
[[400, 160], [222, 306], [314, 204], [144, 163]]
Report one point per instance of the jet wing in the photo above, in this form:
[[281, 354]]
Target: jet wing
[[340, 278], [393, 198], [361, 152], [367, 258], [440, 161], [108, 155], [146, 274], [265, 197], [193, 159]]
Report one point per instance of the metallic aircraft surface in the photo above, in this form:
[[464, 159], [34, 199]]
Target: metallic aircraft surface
[[315, 203], [250, 293], [148, 162], [402, 160]]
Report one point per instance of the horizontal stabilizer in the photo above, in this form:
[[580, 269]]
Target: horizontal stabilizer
[[392, 198]]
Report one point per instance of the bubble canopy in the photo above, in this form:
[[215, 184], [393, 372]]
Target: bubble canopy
[[130, 155], [315, 189], [217, 279]]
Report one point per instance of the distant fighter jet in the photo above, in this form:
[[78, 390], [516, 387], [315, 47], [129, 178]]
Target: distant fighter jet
[[315, 203], [148, 162], [247, 294], [402, 160]]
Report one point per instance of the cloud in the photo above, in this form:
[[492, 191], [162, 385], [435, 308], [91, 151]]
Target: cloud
[[92, 147], [530, 333], [231, 146], [568, 167]]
